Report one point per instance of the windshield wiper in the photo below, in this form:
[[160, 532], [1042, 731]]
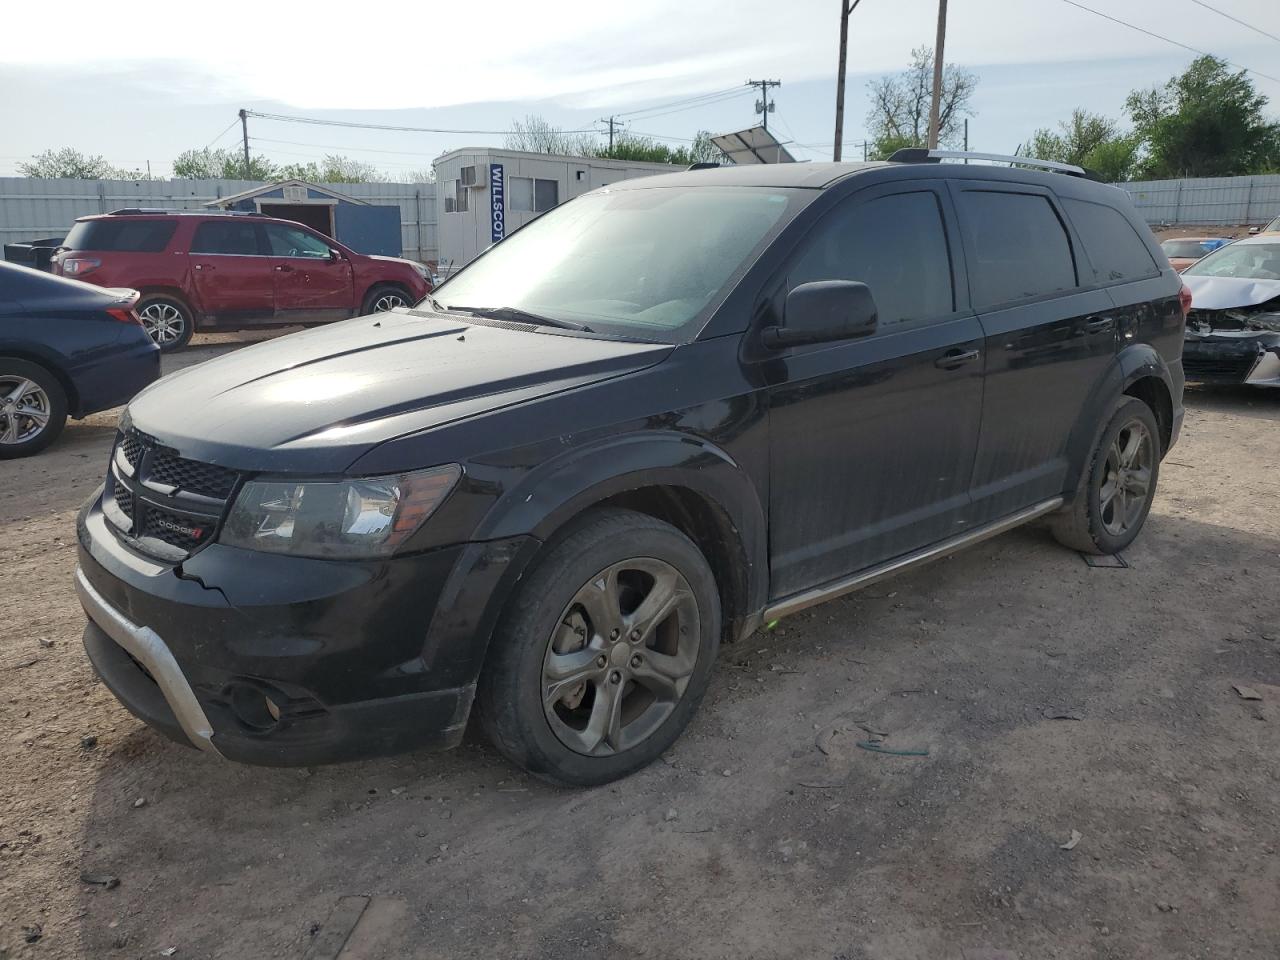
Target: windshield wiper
[[516, 315]]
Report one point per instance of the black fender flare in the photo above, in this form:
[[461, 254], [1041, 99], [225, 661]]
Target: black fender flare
[[555, 492], [1131, 364]]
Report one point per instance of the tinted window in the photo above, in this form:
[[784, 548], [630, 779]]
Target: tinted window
[[226, 236], [896, 245], [294, 242], [133, 236], [1116, 249], [1017, 247], [1186, 248]]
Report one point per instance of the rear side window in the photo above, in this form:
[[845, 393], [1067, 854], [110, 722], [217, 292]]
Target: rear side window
[[227, 237], [1017, 247], [896, 245], [1116, 249], [121, 236]]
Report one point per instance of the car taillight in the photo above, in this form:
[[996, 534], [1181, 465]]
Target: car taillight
[[79, 266], [125, 315], [1184, 298]]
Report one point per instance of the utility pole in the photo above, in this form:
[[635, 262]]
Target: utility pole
[[612, 123], [244, 126], [938, 59], [846, 8], [763, 105]]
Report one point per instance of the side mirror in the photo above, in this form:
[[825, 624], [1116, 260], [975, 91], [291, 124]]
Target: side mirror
[[335, 254], [823, 311]]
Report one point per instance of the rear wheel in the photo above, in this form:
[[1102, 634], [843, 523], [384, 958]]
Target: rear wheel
[[604, 652], [1115, 494], [33, 408], [385, 297], [168, 321]]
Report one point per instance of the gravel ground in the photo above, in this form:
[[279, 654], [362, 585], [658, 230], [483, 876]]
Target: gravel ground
[[1055, 700]]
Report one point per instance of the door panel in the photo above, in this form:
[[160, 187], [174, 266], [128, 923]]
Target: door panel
[[307, 279], [1050, 335], [872, 447], [231, 277], [872, 441]]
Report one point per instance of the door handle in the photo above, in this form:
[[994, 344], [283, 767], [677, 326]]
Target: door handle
[[203, 266], [1099, 324], [955, 358], [283, 268]]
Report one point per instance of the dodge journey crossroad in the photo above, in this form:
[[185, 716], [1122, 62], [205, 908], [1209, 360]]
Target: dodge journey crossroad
[[652, 419]]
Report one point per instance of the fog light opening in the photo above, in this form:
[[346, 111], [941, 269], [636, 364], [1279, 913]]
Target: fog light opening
[[256, 709]]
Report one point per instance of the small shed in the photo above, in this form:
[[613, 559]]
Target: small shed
[[363, 226]]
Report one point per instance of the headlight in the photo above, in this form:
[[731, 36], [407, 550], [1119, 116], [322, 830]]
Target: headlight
[[368, 517]]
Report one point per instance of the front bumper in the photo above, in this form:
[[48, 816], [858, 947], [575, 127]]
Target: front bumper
[[285, 661], [1248, 357]]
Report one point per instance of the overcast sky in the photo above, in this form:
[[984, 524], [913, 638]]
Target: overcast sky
[[147, 80]]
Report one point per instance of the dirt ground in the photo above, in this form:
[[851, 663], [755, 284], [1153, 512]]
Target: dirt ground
[[1054, 700]]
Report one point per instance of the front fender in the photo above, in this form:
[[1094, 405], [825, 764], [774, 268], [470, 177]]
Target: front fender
[[555, 492]]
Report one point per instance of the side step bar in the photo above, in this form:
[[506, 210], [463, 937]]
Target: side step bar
[[838, 588]]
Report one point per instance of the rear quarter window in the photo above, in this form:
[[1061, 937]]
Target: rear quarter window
[[1017, 247], [121, 236], [1116, 250]]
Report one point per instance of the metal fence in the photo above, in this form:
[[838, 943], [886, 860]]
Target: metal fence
[[31, 208], [1207, 200]]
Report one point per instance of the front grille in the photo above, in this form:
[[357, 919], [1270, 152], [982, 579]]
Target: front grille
[[1230, 369], [205, 479], [171, 505]]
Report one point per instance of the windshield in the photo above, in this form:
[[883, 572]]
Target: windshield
[[1187, 248], [1254, 261], [642, 262]]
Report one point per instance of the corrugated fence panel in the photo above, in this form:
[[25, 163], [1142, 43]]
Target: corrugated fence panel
[[31, 209], [1209, 200]]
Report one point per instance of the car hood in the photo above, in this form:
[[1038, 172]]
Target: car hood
[[385, 259], [318, 400], [1225, 293]]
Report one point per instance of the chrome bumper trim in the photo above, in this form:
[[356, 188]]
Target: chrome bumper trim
[[145, 646], [838, 588]]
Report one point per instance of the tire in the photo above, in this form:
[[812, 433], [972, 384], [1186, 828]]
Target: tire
[[388, 294], [33, 408], [168, 321], [544, 695], [1102, 519]]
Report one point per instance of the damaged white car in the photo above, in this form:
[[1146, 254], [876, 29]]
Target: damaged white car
[[1233, 329]]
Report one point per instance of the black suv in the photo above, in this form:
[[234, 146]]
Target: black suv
[[642, 424]]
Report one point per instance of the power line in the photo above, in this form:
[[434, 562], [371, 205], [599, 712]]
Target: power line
[[1223, 13], [733, 95], [338, 146], [222, 134], [676, 103], [1176, 43], [379, 126]]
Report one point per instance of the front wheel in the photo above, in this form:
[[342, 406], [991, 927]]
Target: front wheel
[[385, 297], [33, 408], [1115, 494], [604, 653]]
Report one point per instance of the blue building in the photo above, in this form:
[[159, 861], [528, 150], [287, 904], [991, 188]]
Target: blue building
[[363, 226]]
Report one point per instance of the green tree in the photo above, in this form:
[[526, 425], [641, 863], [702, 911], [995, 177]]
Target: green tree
[[1206, 122], [1089, 140], [900, 103], [71, 164], [536, 134], [206, 164], [886, 145]]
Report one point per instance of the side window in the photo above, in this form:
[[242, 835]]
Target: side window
[[1016, 247], [1116, 249], [293, 242], [236, 237], [528, 194], [896, 245]]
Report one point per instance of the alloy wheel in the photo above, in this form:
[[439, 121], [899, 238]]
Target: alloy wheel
[[389, 301], [620, 659], [24, 409], [1126, 478], [164, 322]]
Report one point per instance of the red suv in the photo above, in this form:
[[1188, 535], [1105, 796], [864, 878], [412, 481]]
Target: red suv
[[228, 271]]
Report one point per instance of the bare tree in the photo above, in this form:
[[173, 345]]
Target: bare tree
[[899, 113], [538, 135]]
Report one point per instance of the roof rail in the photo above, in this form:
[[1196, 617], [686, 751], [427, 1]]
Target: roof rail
[[128, 211], [703, 165], [922, 155], [152, 211]]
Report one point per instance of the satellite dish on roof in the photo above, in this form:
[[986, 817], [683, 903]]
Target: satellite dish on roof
[[753, 145]]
